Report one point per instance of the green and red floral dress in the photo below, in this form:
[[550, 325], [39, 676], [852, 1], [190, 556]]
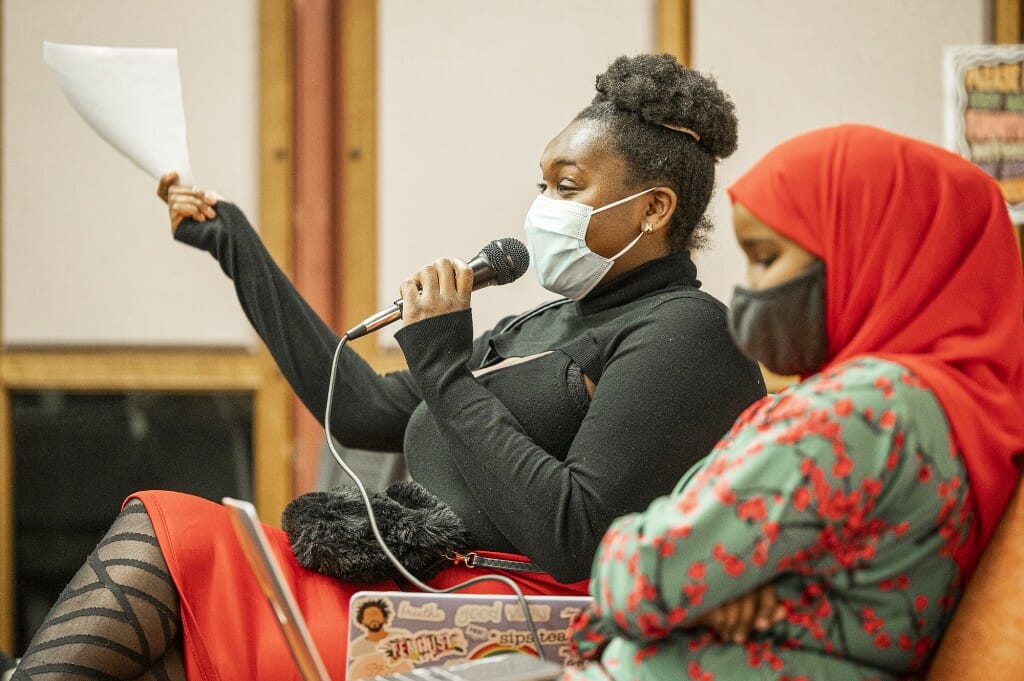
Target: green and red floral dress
[[844, 491]]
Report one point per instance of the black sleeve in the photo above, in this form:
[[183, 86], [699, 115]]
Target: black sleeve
[[672, 385], [369, 411]]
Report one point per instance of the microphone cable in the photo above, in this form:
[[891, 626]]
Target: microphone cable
[[380, 539]]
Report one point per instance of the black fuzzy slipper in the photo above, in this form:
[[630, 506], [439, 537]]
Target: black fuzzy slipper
[[330, 533]]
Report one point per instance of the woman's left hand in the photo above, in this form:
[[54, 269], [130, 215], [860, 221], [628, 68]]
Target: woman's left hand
[[755, 611], [439, 288], [185, 201]]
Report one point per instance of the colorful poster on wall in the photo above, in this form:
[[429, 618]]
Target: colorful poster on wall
[[984, 113]]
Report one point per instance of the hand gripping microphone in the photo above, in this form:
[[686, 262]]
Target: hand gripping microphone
[[500, 262]]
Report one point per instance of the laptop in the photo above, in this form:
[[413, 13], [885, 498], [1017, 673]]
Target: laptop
[[271, 580], [404, 632], [487, 642]]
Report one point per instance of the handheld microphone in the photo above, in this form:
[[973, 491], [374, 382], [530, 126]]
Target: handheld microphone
[[500, 262]]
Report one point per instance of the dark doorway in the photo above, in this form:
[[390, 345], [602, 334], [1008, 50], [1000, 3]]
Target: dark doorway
[[77, 456]]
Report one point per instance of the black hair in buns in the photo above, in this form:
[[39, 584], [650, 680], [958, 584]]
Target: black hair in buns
[[635, 98]]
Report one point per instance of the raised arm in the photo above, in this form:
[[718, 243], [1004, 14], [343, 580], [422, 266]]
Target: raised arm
[[370, 411]]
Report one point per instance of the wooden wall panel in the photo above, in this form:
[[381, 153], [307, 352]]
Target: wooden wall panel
[[273, 436], [357, 159], [673, 29], [315, 197], [1007, 21]]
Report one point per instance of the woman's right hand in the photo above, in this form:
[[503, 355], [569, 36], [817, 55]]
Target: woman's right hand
[[735, 620], [185, 201], [443, 286]]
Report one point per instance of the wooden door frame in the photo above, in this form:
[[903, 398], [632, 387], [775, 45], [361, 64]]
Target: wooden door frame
[[99, 370]]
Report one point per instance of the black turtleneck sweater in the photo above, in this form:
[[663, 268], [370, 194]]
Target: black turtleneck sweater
[[501, 428]]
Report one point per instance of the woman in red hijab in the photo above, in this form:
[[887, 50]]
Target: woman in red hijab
[[884, 271]]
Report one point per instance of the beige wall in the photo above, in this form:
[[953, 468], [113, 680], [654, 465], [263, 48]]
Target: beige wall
[[795, 65], [470, 93], [87, 253]]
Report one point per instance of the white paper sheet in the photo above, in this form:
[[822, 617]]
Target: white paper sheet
[[131, 97]]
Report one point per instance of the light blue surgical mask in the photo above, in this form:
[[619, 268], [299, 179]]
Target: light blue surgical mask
[[556, 237]]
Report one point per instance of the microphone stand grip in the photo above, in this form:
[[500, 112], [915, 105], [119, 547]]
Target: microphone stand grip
[[371, 324]]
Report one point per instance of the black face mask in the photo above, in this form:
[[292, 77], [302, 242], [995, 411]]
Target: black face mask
[[783, 326]]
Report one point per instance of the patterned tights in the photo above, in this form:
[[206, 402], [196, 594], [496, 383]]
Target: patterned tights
[[117, 619]]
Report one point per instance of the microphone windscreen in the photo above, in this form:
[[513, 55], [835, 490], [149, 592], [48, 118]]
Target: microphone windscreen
[[508, 257]]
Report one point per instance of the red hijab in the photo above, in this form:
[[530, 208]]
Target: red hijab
[[921, 269]]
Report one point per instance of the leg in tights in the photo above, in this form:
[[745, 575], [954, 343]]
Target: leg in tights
[[171, 667], [118, 618]]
